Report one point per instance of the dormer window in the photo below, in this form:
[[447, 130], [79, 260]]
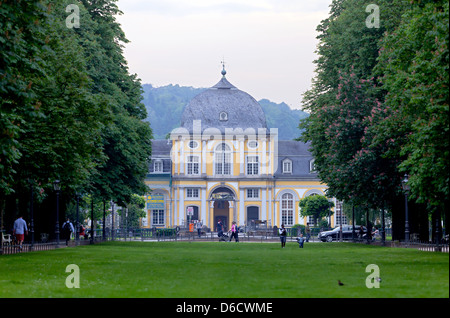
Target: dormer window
[[158, 166], [312, 166], [223, 116], [287, 166]]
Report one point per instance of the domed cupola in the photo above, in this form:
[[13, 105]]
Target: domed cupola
[[224, 106]]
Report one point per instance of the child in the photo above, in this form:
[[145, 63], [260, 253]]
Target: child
[[283, 234], [300, 241]]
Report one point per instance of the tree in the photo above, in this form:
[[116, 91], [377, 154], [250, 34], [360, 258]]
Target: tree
[[22, 40], [316, 206], [341, 103], [413, 66], [126, 140], [135, 211], [63, 142], [70, 110]]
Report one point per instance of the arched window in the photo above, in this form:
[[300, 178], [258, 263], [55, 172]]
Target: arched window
[[223, 159], [287, 209]]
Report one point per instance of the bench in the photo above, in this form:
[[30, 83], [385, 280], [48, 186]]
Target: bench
[[6, 238]]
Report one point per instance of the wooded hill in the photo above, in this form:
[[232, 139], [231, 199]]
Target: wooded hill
[[165, 106]]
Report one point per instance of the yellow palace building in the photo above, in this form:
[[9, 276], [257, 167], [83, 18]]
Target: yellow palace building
[[224, 163]]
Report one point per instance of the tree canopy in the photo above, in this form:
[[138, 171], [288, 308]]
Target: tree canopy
[[316, 206], [70, 109], [379, 103]]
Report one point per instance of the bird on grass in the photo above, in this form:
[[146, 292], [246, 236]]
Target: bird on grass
[[340, 283]]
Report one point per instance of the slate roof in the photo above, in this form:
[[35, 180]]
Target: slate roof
[[243, 110], [161, 152], [300, 157], [160, 148], [295, 151]]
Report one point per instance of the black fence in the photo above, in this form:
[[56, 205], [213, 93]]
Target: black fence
[[178, 234]]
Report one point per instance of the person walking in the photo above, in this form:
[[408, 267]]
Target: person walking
[[199, 228], [308, 232], [283, 234], [219, 228], [234, 232], [19, 230], [67, 229]]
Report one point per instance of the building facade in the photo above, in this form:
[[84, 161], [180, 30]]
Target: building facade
[[224, 163]]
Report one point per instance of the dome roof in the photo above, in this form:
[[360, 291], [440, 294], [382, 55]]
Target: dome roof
[[224, 106]]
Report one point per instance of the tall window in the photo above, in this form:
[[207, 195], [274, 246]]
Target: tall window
[[158, 217], [287, 209], [193, 165], [223, 159], [252, 165]]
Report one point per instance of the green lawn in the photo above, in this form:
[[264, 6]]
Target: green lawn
[[225, 270]]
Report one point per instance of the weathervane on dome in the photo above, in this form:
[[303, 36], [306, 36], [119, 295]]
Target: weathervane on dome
[[223, 68]]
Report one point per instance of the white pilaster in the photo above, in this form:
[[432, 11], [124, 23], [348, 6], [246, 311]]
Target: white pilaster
[[204, 206], [264, 204], [241, 207], [181, 214]]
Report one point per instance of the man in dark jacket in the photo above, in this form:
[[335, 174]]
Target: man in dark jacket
[[67, 229]]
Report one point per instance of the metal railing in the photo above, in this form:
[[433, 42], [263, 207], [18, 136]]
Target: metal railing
[[177, 234]]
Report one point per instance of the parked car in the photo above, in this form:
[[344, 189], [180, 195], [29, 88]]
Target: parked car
[[329, 236]]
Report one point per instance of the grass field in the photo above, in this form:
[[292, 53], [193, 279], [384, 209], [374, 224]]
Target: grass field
[[225, 270]]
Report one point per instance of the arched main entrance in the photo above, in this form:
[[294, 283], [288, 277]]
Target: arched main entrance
[[221, 212], [222, 197]]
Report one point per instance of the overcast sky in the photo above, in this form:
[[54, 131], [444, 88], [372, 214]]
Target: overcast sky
[[268, 45]]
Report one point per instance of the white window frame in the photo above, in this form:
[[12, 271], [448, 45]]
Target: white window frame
[[223, 160], [193, 165], [252, 165], [158, 216], [287, 209], [158, 163], [312, 166], [287, 163], [192, 193], [252, 193], [193, 144], [249, 144]]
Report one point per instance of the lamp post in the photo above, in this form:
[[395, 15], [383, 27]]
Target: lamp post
[[57, 188], [438, 249], [112, 220], [383, 228], [77, 226], [92, 220], [104, 221], [406, 189], [353, 224], [31, 214]]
